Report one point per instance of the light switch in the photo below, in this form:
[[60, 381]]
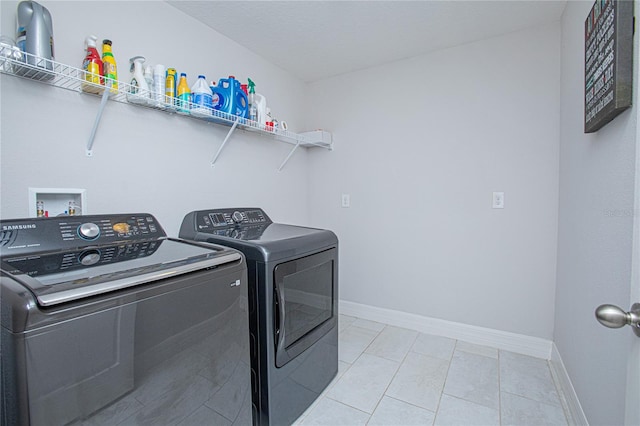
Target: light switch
[[346, 200], [498, 200]]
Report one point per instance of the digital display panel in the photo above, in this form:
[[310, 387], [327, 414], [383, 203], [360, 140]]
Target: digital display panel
[[217, 219]]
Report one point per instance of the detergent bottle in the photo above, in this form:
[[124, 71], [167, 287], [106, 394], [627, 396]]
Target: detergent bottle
[[139, 90], [230, 97], [92, 67], [109, 64], [201, 98], [184, 95]]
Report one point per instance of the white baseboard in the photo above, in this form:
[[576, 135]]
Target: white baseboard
[[519, 343], [570, 401]]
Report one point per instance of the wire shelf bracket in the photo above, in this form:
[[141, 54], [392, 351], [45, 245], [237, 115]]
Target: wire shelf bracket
[[224, 142], [103, 103]]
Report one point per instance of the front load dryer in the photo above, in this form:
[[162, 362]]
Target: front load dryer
[[293, 297]]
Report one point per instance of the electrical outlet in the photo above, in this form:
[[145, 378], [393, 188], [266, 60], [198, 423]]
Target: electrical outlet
[[346, 200], [498, 200]]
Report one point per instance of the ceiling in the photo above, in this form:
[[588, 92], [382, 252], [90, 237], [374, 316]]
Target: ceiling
[[314, 40]]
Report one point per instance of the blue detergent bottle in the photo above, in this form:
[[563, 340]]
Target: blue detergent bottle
[[229, 97]]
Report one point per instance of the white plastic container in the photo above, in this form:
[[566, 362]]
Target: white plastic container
[[159, 79], [139, 91], [261, 107], [148, 77], [201, 98]]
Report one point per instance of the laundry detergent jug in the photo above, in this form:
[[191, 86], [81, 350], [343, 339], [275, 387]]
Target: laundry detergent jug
[[229, 97]]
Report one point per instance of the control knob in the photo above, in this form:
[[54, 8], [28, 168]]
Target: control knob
[[89, 231], [89, 257], [237, 217]]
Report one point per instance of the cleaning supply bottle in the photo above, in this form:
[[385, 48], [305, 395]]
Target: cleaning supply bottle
[[139, 91], [158, 88], [110, 69], [231, 98], [184, 94], [261, 109], [35, 37], [148, 77], [92, 67], [171, 88], [257, 105], [201, 98], [253, 111]]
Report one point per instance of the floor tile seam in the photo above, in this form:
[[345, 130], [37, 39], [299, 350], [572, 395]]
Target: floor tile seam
[[408, 403], [350, 406], [372, 340], [476, 353], [492, 359], [390, 359], [472, 402], [559, 405], [437, 411], [391, 381], [385, 389], [365, 329]]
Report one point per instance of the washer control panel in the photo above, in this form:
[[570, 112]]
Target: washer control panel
[[65, 232]]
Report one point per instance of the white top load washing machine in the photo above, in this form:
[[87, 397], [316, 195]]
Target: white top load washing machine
[[293, 297], [105, 319]]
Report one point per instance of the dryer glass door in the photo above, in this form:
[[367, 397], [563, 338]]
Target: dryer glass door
[[304, 300]]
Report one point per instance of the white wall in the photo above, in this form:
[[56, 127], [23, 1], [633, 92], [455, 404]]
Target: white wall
[[146, 160], [420, 145], [597, 173]]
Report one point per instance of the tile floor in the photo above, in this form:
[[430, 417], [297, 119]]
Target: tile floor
[[394, 376]]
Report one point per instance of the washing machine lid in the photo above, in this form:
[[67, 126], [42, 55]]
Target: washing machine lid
[[64, 276]]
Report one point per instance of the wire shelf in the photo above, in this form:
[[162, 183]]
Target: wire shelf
[[28, 66]]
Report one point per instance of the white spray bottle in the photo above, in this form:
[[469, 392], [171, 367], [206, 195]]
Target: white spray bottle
[[139, 90]]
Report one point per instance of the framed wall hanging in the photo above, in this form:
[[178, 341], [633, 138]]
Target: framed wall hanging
[[608, 62]]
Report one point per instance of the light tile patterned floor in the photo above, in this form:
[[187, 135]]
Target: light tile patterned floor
[[394, 376]]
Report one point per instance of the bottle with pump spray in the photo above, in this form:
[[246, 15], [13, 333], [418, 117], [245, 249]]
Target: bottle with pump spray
[[139, 91], [259, 103], [253, 111], [93, 82]]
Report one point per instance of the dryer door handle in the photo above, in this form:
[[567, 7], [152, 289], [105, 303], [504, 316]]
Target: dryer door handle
[[278, 305]]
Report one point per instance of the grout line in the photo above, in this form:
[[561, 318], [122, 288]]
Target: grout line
[[384, 393], [446, 377], [535, 400]]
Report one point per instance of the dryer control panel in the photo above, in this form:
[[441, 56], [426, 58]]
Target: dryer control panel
[[212, 221], [26, 236]]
